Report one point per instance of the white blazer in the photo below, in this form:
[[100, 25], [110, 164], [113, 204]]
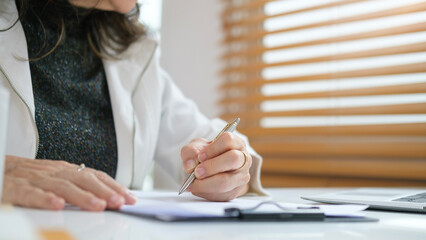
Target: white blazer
[[152, 118]]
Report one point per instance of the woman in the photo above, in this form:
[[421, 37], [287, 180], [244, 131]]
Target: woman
[[86, 88]]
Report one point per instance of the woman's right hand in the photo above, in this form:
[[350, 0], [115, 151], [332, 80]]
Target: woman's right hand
[[49, 184]]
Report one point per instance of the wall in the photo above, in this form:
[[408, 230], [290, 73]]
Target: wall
[[190, 44]]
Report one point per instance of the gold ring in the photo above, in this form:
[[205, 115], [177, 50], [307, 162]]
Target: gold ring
[[245, 160], [82, 166]]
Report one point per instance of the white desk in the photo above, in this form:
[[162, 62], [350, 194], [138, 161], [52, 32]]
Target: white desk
[[111, 225]]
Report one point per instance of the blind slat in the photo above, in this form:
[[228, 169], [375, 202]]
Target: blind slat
[[245, 6], [406, 149], [258, 50], [370, 110], [262, 17], [403, 49], [383, 168], [419, 7], [286, 180], [382, 71], [413, 129], [371, 91]]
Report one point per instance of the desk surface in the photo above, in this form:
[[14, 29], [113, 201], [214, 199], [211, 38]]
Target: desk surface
[[111, 225]]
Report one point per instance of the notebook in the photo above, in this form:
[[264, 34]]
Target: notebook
[[395, 199]]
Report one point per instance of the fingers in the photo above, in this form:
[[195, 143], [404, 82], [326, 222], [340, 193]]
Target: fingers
[[221, 168], [227, 141], [18, 191], [200, 150], [189, 153], [129, 197], [87, 180], [97, 182], [227, 196], [71, 193], [220, 183], [88, 189], [37, 198], [229, 161], [101, 185]]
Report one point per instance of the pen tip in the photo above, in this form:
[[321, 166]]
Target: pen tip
[[237, 120]]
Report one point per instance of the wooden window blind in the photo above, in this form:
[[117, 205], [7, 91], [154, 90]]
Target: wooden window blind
[[330, 93]]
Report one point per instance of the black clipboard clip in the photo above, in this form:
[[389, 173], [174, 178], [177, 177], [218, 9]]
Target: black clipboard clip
[[282, 214]]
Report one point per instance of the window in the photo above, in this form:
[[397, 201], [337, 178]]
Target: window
[[151, 13], [331, 93]]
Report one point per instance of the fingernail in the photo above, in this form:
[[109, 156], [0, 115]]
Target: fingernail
[[190, 164], [202, 156], [97, 203], [130, 197], [116, 200], [128, 192], [199, 172], [57, 202]]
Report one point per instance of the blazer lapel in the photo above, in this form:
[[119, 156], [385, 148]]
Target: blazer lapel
[[14, 58], [123, 77]]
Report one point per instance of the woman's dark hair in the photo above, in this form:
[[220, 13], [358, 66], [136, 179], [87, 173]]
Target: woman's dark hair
[[108, 33]]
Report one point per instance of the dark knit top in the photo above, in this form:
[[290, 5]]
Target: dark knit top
[[72, 104]]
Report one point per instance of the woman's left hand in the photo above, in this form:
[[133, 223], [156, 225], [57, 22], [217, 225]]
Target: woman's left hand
[[221, 167]]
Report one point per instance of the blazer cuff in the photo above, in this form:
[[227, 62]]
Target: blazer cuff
[[255, 187]]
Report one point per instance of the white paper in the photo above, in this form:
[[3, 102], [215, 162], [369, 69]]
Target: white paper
[[185, 205], [166, 205]]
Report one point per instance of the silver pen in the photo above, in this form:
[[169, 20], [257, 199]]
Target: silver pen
[[230, 127]]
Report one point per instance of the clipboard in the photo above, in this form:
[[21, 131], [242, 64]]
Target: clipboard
[[303, 214], [254, 214]]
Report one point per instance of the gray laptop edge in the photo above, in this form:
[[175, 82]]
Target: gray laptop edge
[[394, 199]]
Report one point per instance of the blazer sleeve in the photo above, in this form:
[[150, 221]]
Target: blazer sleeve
[[181, 122]]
